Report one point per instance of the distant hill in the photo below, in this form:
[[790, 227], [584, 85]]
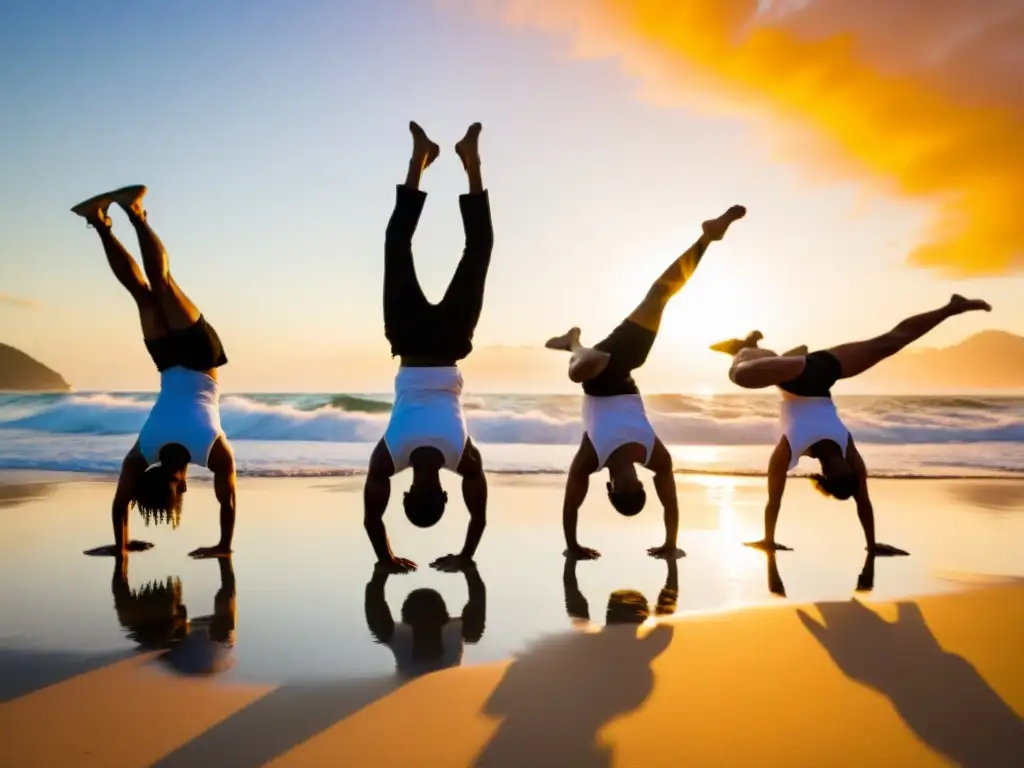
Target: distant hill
[[987, 360], [21, 373]]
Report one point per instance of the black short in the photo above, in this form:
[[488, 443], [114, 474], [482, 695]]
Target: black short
[[414, 326], [628, 345], [197, 348], [821, 370]]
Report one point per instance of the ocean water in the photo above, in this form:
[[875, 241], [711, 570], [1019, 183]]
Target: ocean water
[[333, 434]]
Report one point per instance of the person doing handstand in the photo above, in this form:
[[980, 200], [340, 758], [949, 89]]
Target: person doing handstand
[[427, 429], [183, 426], [809, 421], [617, 433]]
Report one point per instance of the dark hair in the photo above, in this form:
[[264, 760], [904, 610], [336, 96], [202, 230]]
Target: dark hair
[[628, 502], [153, 616], [157, 499], [627, 606], [839, 485], [425, 505], [424, 606]]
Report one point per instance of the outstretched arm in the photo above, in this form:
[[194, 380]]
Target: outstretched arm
[[665, 486], [132, 469], [576, 486], [474, 493], [376, 494], [778, 468], [222, 464], [865, 510], [378, 615]]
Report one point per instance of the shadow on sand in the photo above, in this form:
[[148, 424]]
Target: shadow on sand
[[555, 698], [25, 671], [426, 640], [940, 696]]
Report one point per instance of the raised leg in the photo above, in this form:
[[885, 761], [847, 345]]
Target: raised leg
[[177, 308], [859, 356], [124, 267], [404, 300], [463, 300], [586, 362], [648, 313]]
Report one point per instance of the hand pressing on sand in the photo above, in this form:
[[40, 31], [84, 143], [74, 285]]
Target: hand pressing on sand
[[581, 553], [204, 553], [112, 550], [885, 550], [767, 546], [396, 565], [454, 563], [666, 552]]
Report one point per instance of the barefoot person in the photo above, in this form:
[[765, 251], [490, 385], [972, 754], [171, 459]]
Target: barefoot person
[[427, 430], [809, 421], [184, 425], [618, 434]]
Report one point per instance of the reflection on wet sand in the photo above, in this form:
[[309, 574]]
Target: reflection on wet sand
[[625, 606], [15, 494], [427, 639], [558, 694], [865, 579], [991, 495], [155, 618]]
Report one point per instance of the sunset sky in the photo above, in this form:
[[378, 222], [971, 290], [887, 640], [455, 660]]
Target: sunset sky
[[879, 154]]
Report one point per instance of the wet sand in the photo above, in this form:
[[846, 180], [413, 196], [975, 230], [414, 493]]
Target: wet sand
[[717, 683]]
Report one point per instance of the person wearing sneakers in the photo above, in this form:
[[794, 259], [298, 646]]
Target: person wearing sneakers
[[809, 421], [427, 429], [184, 425], [617, 433]]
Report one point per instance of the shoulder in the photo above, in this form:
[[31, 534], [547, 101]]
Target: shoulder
[[472, 462], [221, 458], [381, 463], [585, 460], [660, 459]]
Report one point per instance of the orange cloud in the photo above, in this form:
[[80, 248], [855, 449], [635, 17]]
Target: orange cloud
[[14, 301], [923, 96]]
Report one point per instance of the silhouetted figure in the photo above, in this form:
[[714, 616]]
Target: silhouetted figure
[[427, 429], [427, 639], [617, 433], [560, 692], [939, 695], [809, 420], [184, 425], [775, 584], [156, 619], [866, 578], [625, 606]]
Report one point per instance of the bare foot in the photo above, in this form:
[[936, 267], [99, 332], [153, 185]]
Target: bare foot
[[958, 305], [130, 199], [732, 346], [714, 229], [94, 210], [423, 149], [797, 351], [566, 341], [468, 147]]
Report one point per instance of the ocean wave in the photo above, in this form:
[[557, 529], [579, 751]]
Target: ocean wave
[[729, 420]]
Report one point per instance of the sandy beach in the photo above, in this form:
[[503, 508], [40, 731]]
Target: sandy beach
[[814, 657]]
